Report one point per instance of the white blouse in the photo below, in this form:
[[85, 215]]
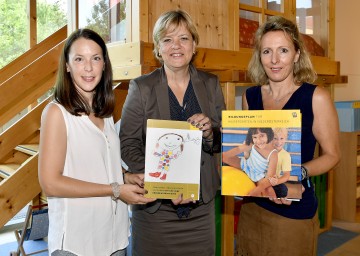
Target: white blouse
[[96, 225]]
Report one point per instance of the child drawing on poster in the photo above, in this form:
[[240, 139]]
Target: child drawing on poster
[[259, 161], [168, 147]]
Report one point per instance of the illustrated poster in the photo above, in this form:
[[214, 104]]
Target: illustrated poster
[[172, 159]]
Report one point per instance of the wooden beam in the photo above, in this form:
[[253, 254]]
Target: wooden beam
[[214, 59], [120, 96], [325, 66], [31, 55], [127, 59], [322, 79], [229, 75], [34, 80], [227, 217], [18, 133], [72, 15], [19, 189], [32, 26], [227, 226]]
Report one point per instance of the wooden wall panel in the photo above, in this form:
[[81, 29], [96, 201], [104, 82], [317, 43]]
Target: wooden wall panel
[[214, 20]]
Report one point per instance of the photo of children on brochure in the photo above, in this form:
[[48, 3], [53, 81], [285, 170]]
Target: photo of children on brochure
[[261, 161]]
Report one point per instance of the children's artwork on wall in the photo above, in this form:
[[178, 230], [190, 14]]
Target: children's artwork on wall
[[172, 159]]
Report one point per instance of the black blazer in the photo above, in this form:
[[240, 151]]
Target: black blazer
[[148, 98]]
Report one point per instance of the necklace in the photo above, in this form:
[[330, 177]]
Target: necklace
[[278, 100]]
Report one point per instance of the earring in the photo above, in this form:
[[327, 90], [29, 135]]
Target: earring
[[159, 55]]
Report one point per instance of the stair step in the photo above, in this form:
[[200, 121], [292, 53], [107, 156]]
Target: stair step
[[7, 169], [30, 149]]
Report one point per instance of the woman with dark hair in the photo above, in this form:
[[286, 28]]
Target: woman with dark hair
[[283, 71], [176, 91], [79, 158]]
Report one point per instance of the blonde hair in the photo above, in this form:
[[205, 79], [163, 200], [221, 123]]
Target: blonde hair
[[303, 70], [281, 130], [173, 19]]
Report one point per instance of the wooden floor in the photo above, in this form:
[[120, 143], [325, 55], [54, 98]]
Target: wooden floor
[[351, 226]]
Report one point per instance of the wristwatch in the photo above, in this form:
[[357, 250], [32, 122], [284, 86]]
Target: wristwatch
[[116, 191], [304, 173]]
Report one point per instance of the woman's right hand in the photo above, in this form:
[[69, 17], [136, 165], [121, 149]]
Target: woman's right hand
[[134, 194]]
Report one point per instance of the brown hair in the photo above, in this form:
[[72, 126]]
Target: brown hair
[[65, 91], [252, 131]]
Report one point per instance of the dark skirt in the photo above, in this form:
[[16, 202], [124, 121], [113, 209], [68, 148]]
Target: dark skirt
[[164, 233]]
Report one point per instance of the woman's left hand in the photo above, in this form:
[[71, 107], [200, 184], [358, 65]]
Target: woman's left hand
[[203, 123], [134, 178], [180, 200], [281, 201], [284, 200]]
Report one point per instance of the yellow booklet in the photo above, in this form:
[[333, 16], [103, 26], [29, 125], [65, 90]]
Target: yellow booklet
[[172, 159], [261, 153]]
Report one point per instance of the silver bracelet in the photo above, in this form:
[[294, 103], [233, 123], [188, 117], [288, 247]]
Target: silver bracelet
[[116, 191]]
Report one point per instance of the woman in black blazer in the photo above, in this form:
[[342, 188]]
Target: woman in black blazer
[[176, 91]]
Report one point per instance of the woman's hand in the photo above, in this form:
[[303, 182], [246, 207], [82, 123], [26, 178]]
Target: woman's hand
[[133, 194], [180, 200], [134, 178], [284, 200], [203, 123]]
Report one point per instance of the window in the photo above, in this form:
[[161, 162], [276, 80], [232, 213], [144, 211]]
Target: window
[[106, 17]]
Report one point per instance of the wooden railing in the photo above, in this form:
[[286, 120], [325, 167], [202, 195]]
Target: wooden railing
[[27, 78], [22, 83]]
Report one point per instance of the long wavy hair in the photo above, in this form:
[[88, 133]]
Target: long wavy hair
[[65, 91], [303, 69]]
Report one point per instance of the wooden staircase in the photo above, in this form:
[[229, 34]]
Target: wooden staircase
[[31, 76], [19, 159], [20, 156], [22, 83]]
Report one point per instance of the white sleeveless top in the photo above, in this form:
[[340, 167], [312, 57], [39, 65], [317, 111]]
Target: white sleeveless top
[[96, 225]]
